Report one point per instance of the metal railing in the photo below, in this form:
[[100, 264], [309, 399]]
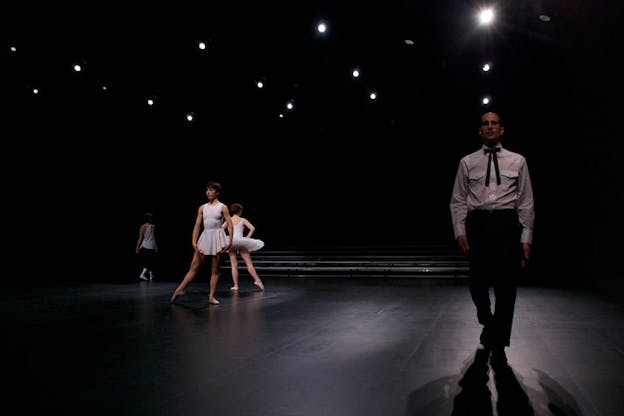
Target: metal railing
[[351, 261]]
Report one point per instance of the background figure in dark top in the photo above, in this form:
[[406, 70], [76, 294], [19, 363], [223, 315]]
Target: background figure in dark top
[[147, 247]]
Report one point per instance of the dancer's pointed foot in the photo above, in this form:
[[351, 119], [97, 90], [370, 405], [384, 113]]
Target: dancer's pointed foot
[[213, 301], [259, 284], [175, 295], [234, 288]]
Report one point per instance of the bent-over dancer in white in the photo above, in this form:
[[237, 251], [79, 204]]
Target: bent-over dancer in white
[[243, 245]]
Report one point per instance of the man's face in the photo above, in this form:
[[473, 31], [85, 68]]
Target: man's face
[[491, 130], [211, 193]]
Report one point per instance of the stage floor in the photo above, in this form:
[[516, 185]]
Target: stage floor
[[339, 347]]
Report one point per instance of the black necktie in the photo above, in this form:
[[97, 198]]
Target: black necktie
[[492, 154]]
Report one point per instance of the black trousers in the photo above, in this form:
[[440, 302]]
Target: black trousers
[[147, 258], [495, 254]]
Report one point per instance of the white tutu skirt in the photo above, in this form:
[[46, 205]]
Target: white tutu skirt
[[251, 244], [211, 241]]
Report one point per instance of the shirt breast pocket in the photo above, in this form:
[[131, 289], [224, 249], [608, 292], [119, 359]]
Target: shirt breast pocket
[[476, 176], [509, 179]]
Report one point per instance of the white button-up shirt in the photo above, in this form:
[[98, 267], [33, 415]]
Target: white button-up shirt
[[514, 192]]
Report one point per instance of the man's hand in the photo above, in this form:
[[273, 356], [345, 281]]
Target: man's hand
[[462, 242], [526, 250]]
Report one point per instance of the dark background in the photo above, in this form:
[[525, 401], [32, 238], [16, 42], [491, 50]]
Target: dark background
[[81, 165]]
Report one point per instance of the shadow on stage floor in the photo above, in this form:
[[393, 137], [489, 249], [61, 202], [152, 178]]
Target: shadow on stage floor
[[306, 346]]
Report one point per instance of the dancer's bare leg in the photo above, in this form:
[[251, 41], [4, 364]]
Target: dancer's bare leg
[[234, 269], [214, 278], [197, 261], [250, 267]]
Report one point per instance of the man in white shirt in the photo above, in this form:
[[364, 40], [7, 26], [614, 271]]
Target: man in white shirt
[[493, 212]]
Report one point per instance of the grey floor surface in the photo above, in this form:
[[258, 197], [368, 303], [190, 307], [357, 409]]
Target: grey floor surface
[[306, 347]]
